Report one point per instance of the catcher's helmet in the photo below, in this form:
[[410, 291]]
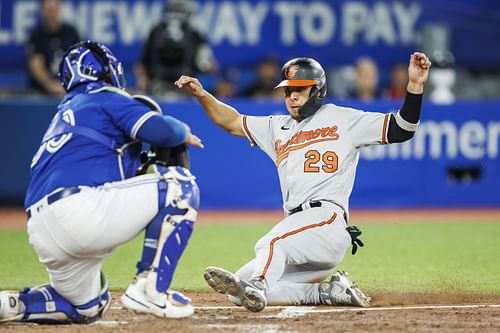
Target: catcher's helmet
[[88, 61], [304, 72]]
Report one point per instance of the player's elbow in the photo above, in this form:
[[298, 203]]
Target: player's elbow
[[396, 134], [235, 131], [232, 126]]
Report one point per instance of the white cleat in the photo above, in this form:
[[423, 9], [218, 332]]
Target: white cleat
[[342, 291], [172, 304], [225, 282], [11, 308]]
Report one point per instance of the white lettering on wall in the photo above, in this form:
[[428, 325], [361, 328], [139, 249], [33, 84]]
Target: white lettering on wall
[[379, 25], [132, 20], [79, 15], [322, 32], [227, 26], [204, 17], [472, 140], [102, 27], [253, 17], [435, 133], [387, 22], [25, 17], [287, 13], [406, 18], [493, 135], [237, 23], [354, 17]]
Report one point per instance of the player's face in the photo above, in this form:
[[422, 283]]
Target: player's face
[[295, 97]]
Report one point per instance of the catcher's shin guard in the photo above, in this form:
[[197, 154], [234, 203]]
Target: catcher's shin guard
[[168, 233], [44, 305]]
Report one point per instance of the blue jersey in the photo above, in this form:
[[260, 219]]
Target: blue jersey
[[90, 141]]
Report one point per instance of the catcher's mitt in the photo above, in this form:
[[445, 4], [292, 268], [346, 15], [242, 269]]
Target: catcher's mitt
[[173, 156]]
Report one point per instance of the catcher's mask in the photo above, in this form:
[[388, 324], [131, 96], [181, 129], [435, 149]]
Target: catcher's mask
[[305, 72], [88, 61]]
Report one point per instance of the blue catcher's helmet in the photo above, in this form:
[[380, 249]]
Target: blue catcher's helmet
[[87, 62]]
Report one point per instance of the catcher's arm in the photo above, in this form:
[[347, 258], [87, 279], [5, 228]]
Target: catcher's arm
[[156, 122], [220, 113], [166, 156]]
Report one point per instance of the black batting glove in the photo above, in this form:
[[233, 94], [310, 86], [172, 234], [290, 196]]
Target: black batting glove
[[354, 232]]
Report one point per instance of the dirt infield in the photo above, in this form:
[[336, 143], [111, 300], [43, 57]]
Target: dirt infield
[[390, 312]]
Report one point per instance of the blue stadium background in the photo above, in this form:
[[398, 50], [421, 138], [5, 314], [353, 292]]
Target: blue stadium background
[[453, 161]]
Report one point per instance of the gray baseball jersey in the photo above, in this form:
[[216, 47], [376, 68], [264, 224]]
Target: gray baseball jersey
[[317, 157]]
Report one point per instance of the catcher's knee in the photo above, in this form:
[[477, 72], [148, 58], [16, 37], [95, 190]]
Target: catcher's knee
[[177, 188]]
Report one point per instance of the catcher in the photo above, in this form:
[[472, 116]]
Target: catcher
[[85, 199]]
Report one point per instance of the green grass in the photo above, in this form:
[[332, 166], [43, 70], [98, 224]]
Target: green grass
[[408, 257]]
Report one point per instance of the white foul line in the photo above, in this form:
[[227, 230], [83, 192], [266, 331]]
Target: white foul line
[[313, 309]]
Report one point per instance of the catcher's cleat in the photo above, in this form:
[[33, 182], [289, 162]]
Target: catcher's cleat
[[224, 282], [11, 308], [172, 304], [342, 291]]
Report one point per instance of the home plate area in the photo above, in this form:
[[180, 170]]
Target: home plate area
[[394, 312]]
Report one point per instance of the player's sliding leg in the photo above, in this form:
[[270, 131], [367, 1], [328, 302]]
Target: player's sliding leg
[[166, 239], [241, 292], [44, 305], [301, 285], [285, 272]]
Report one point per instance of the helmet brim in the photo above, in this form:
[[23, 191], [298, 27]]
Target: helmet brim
[[297, 83]]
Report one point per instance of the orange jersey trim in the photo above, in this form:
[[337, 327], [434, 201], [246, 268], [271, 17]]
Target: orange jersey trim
[[297, 147], [291, 233], [384, 130], [297, 83], [245, 128], [281, 158]]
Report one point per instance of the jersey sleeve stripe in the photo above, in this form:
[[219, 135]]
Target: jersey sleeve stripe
[[141, 122], [384, 129], [291, 233], [247, 132]]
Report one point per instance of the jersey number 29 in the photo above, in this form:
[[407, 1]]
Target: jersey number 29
[[329, 160]]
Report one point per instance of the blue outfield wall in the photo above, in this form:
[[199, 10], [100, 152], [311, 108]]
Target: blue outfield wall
[[242, 31], [453, 161]]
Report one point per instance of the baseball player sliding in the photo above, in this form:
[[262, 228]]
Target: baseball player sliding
[[316, 150], [84, 198]]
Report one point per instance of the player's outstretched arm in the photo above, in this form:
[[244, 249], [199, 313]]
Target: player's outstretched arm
[[402, 127], [221, 114]]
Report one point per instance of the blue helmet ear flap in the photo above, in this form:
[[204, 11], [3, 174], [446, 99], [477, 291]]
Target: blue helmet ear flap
[[88, 61]]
